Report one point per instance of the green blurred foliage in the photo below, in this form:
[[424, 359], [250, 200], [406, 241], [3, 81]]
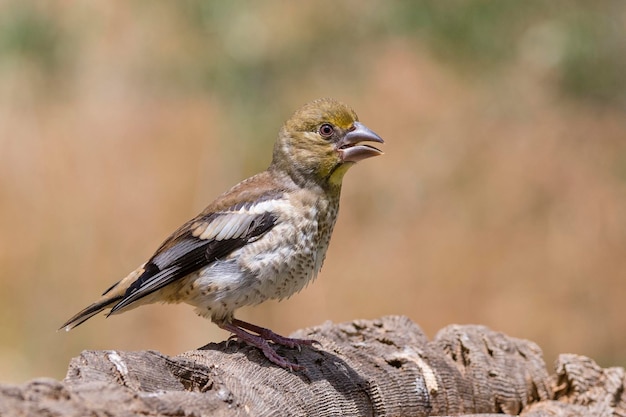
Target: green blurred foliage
[[229, 52], [469, 34], [28, 34], [479, 34], [32, 39], [594, 56]]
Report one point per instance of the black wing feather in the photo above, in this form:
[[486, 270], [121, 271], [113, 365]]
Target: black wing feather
[[188, 255]]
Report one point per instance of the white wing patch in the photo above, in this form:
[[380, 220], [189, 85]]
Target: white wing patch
[[233, 224]]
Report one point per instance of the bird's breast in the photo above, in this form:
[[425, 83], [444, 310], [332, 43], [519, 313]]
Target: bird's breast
[[290, 255]]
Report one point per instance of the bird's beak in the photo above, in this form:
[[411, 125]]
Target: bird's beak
[[350, 147]]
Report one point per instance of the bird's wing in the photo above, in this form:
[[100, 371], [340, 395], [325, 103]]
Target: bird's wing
[[200, 242]]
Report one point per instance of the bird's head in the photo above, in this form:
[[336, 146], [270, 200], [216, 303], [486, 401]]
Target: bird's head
[[321, 141]]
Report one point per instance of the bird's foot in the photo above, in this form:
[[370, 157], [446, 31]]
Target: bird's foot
[[261, 343], [267, 334]]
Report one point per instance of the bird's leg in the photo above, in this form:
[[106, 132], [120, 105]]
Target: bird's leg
[[267, 334], [261, 343]]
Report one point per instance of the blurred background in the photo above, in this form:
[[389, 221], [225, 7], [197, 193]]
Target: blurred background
[[500, 200]]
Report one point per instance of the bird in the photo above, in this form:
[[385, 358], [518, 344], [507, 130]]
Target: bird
[[265, 238]]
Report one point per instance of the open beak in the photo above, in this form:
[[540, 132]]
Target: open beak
[[352, 149]]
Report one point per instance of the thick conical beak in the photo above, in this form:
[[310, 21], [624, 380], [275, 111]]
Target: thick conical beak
[[351, 147]]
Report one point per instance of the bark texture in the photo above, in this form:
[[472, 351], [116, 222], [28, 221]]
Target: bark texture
[[383, 367]]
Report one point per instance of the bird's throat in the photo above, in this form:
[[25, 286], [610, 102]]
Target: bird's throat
[[335, 177]]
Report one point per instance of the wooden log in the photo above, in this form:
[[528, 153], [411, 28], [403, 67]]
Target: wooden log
[[383, 367]]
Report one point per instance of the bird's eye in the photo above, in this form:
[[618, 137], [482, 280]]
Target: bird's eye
[[326, 130]]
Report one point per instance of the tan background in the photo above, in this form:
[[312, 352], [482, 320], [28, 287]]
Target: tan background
[[501, 198]]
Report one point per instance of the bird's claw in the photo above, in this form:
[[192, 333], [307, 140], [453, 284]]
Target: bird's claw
[[267, 334], [290, 342], [275, 358], [238, 328]]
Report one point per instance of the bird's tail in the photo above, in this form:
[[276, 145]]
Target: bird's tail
[[88, 312], [109, 298]]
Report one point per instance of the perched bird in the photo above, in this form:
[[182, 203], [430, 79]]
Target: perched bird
[[265, 238]]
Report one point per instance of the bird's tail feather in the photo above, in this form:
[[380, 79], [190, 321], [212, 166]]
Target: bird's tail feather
[[111, 296], [89, 312]]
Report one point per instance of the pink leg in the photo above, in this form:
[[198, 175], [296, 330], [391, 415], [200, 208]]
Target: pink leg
[[236, 327], [267, 334]]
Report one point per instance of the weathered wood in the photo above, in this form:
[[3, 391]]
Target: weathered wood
[[362, 368]]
